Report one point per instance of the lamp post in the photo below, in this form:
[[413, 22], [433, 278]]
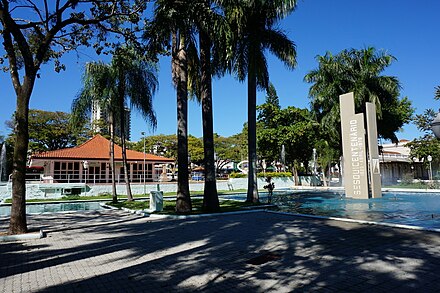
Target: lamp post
[[415, 167], [430, 168], [86, 167], [143, 167]]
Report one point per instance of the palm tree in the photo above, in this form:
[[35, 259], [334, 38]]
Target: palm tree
[[129, 79], [437, 93], [254, 27], [97, 90], [210, 26], [358, 71], [135, 84], [171, 30]]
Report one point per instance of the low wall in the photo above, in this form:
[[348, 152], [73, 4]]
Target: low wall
[[33, 190]]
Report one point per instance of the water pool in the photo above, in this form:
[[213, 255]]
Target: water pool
[[415, 209], [54, 207]]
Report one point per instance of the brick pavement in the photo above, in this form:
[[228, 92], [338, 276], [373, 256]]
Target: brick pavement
[[112, 251]]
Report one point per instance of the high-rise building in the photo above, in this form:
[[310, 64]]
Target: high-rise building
[[99, 121]]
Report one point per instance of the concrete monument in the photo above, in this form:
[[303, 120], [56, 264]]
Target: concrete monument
[[358, 183]]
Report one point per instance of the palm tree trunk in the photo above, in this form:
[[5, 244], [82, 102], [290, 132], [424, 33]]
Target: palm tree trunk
[[18, 224], [252, 192], [180, 77], [112, 156], [210, 196], [124, 146]]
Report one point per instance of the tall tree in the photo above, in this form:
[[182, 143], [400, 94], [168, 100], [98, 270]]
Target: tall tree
[[358, 71], [40, 31], [292, 127], [97, 91], [211, 26], [135, 82], [254, 26], [128, 79], [171, 31]]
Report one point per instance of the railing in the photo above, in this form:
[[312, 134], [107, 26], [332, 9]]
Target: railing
[[85, 177]]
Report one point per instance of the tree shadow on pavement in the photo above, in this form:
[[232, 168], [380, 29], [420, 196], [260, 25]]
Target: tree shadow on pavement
[[255, 252]]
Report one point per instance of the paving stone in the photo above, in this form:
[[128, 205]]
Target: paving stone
[[112, 251]]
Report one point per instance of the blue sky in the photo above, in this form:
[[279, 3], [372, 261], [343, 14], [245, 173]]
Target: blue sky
[[406, 29]]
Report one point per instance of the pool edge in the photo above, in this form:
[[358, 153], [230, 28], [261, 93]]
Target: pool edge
[[364, 222]]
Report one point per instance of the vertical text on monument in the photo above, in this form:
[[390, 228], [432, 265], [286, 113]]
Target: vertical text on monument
[[353, 147]]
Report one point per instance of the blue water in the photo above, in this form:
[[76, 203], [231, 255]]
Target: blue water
[[415, 209], [54, 208]]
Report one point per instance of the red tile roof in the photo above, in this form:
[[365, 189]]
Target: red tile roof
[[97, 148]]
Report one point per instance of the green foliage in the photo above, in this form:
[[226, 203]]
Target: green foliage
[[50, 131], [169, 206], [427, 144], [229, 149], [358, 71], [274, 174], [262, 175], [422, 147], [162, 145], [237, 175], [132, 205], [195, 149], [292, 127]]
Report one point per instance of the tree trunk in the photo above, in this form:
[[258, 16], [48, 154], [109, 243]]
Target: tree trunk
[[17, 224], [210, 196], [112, 156], [295, 175], [252, 192], [124, 145], [324, 177], [180, 77]]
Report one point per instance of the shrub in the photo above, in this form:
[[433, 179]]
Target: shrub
[[274, 174], [237, 175], [262, 175]]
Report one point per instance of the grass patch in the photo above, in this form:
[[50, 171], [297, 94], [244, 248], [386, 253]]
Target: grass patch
[[132, 205], [169, 206]]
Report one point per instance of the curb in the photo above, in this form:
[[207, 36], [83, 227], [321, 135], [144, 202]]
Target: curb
[[400, 226], [20, 237], [182, 217]]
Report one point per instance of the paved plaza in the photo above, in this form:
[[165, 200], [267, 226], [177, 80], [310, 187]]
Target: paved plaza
[[113, 251]]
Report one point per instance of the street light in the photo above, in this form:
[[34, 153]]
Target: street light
[[86, 166], [143, 168], [415, 166], [430, 168]]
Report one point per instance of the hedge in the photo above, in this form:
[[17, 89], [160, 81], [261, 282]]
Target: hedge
[[262, 175]]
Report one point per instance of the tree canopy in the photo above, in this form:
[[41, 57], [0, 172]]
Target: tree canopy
[[292, 127], [51, 131], [361, 72], [427, 144]]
